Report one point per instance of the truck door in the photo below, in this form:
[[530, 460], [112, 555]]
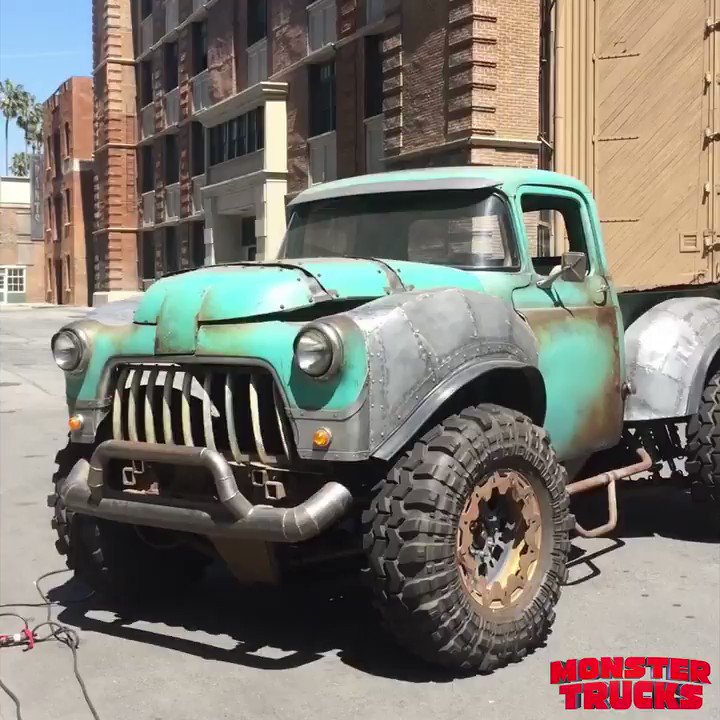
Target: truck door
[[577, 324]]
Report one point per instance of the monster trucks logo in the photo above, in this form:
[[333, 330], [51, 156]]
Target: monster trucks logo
[[618, 683]]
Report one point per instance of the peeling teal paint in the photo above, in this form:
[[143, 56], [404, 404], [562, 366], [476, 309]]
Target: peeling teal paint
[[576, 359]]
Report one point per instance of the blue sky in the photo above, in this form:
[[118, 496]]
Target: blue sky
[[42, 43]]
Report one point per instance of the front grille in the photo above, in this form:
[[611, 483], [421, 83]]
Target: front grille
[[237, 411]]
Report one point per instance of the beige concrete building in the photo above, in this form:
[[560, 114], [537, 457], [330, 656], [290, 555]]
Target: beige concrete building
[[21, 257]]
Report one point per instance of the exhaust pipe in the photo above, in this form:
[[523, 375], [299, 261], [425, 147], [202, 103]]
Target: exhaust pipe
[[83, 491]]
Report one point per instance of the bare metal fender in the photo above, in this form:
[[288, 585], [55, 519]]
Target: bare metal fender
[[424, 346], [668, 352]]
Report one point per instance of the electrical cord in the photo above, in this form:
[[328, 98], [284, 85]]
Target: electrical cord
[[56, 631]]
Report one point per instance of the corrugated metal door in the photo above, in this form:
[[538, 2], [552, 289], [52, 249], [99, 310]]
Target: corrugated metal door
[[638, 92]]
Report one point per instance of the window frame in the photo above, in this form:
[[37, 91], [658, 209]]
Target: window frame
[[13, 273], [257, 22], [319, 104], [171, 169], [595, 264], [170, 77], [147, 178], [200, 47], [371, 108]]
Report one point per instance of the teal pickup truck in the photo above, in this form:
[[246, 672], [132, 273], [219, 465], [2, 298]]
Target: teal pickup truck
[[434, 364]]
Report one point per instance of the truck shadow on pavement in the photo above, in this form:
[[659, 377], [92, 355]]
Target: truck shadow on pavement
[[294, 625], [262, 628]]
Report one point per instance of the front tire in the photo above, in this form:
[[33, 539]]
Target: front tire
[[455, 584], [118, 561], [703, 444]]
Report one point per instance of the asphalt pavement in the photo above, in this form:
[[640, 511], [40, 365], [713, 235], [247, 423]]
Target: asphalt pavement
[[316, 651]]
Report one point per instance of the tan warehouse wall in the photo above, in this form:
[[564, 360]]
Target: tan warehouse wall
[[637, 87]]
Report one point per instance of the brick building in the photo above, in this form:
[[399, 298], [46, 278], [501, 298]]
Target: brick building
[[209, 115], [21, 256], [68, 193]]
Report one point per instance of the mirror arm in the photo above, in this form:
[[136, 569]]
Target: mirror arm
[[547, 282]]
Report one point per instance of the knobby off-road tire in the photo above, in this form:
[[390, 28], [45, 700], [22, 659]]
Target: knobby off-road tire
[[412, 538], [703, 443], [120, 562]]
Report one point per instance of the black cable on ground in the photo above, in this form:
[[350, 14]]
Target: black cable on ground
[[62, 633]]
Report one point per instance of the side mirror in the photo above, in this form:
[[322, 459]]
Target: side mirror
[[573, 268]]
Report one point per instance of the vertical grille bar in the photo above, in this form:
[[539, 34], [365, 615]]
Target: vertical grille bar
[[133, 403], [255, 420], [149, 400], [207, 411], [185, 414], [279, 416], [166, 400], [230, 416], [117, 404]]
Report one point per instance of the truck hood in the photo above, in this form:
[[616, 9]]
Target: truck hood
[[180, 304], [249, 290]]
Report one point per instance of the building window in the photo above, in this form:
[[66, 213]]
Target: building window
[[171, 66], [172, 160], [145, 8], [58, 217], [197, 147], [256, 21], [147, 256], [247, 238], [200, 47], [322, 98], [15, 279], [146, 83], [197, 244], [237, 137], [68, 140], [373, 76], [68, 207], [171, 256], [56, 153], [148, 168]]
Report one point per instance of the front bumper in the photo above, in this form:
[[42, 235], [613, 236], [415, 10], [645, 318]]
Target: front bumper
[[84, 491]]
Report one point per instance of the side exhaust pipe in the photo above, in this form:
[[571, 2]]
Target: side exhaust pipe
[[84, 492]]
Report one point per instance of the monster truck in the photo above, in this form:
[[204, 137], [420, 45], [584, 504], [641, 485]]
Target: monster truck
[[418, 379]]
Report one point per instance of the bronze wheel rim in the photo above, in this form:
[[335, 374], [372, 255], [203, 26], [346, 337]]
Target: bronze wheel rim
[[498, 540]]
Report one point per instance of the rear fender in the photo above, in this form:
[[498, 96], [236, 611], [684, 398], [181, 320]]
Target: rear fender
[[669, 351]]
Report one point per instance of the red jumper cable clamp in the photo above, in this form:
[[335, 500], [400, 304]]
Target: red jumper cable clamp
[[24, 637]]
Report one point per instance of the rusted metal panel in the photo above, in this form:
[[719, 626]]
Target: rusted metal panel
[[638, 85], [669, 351]]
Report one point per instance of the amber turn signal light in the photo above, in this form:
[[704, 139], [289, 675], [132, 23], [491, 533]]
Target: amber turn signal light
[[75, 422], [322, 438]]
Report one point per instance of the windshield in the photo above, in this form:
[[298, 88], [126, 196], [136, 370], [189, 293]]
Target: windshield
[[465, 229]]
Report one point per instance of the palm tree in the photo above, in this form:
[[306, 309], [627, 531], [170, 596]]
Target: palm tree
[[30, 121], [20, 165], [12, 99]]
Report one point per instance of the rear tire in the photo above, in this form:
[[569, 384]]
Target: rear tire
[[415, 532], [703, 444], [118, 561]]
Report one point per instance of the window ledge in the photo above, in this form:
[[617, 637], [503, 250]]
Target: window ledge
[[236, 105]]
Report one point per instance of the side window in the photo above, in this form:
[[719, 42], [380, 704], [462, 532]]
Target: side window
[[553, 225]]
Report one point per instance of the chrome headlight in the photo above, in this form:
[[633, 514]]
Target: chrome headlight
[[68, 349], [319, 350]]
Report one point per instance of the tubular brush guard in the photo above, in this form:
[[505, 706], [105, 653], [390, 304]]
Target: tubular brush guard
[[84, 492]]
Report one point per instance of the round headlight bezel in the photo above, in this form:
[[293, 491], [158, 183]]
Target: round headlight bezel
[[331, 337], [80, 345]]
